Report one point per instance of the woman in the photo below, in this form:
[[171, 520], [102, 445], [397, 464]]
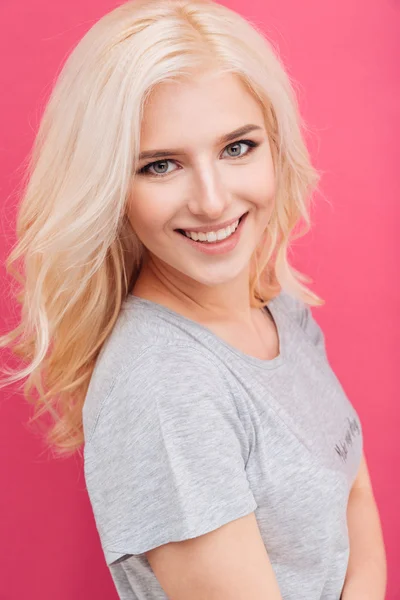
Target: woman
[[167, 180]]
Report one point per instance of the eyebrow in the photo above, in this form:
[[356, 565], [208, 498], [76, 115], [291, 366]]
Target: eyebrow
[[223, 139]]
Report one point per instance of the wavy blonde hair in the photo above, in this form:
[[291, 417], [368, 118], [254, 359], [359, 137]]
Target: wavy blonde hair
[[79, 253]]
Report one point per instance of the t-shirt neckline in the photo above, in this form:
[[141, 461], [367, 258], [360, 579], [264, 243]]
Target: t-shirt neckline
[[259, 362]]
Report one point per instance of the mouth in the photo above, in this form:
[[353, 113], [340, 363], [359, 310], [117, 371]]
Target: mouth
[[213, 243], [212, 237]]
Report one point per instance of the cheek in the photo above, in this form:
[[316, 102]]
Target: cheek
[[258, 187], [150, 208], [255, 181]]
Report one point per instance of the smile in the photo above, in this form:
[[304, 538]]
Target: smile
[[212, 236], [220, 241]]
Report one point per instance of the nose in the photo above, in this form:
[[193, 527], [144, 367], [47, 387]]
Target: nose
[[209, 194]]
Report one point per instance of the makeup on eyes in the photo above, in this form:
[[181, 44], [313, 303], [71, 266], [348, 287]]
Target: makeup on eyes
[[251, 144]]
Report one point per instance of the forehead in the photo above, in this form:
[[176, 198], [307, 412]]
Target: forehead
[[210, 102]]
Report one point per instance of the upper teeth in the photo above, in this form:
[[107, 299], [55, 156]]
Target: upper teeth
[[212, 236]]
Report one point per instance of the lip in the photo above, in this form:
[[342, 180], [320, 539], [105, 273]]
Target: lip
[[208, 228], [219, 247]]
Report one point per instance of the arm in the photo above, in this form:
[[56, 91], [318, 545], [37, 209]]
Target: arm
[[367, 571], [229, 563]]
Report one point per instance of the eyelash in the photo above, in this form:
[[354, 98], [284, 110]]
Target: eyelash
[[250, 143]]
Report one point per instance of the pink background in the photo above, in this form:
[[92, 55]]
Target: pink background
[[345, 58]]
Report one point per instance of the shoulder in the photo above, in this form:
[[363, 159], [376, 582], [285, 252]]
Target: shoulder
[[167, 454], [167, 375], [293, 307], [299, 314]]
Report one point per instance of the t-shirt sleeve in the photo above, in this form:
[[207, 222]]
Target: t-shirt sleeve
[[167, 458], [301, 313]]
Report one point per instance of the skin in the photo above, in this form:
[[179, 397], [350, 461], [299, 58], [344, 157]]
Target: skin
[[366, 575], [206, 182]]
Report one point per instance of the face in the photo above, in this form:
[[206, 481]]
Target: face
[[203, 173]]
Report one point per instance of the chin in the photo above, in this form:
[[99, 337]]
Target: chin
[[219, 275]]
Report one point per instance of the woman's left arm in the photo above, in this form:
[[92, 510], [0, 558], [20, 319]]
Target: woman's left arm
[[367, 570]]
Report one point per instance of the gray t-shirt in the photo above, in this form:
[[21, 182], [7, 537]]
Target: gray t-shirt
[[184, 433]]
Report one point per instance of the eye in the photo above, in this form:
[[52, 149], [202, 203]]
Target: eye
[[235, 148], [160, 167]]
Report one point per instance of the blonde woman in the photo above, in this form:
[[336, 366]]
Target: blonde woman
[[167, 332]]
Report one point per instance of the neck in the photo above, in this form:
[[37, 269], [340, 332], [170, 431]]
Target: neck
[[228, 301]]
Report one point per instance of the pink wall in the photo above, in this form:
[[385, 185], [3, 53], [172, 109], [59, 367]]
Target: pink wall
[[345, 57]]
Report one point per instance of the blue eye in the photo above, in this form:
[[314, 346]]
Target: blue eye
[[247, 143], [160, 163], [164, 163]]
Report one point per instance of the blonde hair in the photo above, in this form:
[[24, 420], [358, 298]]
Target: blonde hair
[[79, 252]]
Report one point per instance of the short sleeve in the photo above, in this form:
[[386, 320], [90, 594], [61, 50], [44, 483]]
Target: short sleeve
[[301, 313], [167, 459]]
